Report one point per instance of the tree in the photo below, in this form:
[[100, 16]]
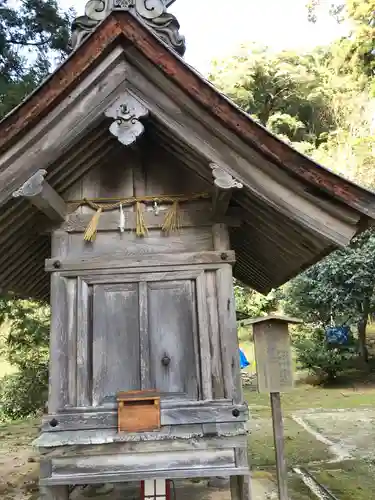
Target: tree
[[253, 303], [298, 96], [34, 37], [340, 288], [358, 54], [25, 347]]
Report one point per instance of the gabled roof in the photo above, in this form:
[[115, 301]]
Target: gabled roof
[[294, 210]]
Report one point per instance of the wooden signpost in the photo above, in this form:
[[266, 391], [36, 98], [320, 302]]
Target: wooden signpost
[[273, 358]]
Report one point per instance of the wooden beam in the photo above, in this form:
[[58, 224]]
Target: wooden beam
[[109, 221], [122, 260], [224, 184], [43, 196]]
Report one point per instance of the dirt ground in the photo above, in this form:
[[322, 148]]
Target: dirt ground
[[348, 433]]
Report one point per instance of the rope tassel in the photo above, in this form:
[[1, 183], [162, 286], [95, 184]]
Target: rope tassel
[[90, 233], [141, 229], [172, 218]]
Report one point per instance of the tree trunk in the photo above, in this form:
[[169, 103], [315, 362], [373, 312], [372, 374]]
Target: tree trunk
[[362, 325]]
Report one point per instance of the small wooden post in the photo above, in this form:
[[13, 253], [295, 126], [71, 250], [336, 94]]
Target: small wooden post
[[278, 436], [275, 374]]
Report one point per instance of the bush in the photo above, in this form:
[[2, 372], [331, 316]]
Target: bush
[[245, 333], [25, 346], [24, 393], [320, 359]]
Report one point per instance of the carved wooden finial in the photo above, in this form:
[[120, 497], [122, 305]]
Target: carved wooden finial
[[33, 186], [40, 194], [222, 179], [224, 183], [126, 111]]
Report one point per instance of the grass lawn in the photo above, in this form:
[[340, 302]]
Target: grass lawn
[[304, 397], [300, 446], [348, 480]]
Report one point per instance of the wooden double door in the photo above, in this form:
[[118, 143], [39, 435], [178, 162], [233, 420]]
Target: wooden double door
[[138, 331]]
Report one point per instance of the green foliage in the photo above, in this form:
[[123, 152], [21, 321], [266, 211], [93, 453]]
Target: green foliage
[[283, 91], [24, 393], [338, 289], [289, 126], [27, 342], [253, 303], [316, 356], [26, 347], [34, 36]]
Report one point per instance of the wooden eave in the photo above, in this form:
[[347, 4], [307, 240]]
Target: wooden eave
[[124, 28], [272, 245]]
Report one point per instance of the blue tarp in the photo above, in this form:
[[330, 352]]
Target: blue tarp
[[338, 335], [243, 361]]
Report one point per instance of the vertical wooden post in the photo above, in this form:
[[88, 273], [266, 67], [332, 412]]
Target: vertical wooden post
[[58, 364], [273, 358], [239, 485], [278, 434], [54, 492]]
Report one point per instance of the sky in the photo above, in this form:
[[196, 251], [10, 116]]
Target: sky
[[214, 28]]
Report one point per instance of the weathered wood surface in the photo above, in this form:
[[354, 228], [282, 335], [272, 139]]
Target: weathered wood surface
[[220, 237], [90, 437], [84, 344], [171, 310], [54, 492], [227, 319], [146, 462], [152, 341], [261, 182], [115, 343], [240, 487], [228, 333], [187, 240], [60, 129], [58, 365], [40, 194], [141, 275], [144, 341], [169, 416], [203, 443], [204, 340], [109, 221], [223, 187], [168, 401], [278, 434], [122, 260], [118, 477], [72, 340], [214, 336], [273, 354]]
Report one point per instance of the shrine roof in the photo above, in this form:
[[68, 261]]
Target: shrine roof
[[294, 215]]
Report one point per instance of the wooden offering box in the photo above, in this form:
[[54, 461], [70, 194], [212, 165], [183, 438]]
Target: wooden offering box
[[138, 411]]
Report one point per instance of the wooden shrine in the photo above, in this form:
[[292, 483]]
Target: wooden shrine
[[131, 192]]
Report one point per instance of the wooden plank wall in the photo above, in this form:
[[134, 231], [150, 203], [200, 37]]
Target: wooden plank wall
[[206, 341]]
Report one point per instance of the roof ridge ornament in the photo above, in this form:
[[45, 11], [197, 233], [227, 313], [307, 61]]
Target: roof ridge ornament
[[153, 13]]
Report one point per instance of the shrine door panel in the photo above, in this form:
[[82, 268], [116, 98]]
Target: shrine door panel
[[173, 337], [115, 340]]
